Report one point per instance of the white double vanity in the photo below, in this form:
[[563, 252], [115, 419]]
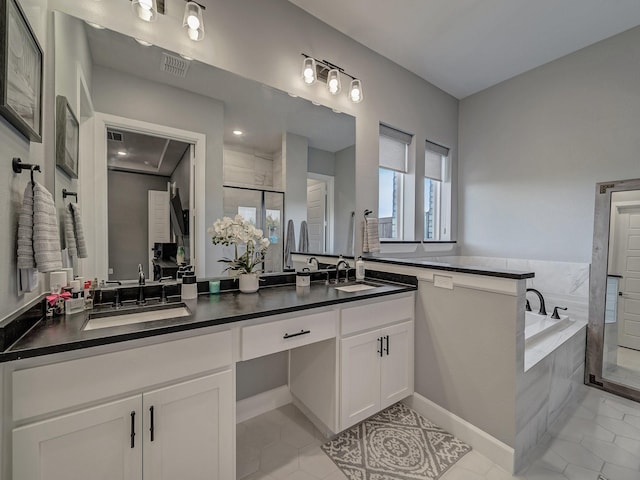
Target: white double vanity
[[163, 406]]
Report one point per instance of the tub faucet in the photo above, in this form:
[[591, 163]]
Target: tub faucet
[[141, 279], [543, 310], [312, 260]]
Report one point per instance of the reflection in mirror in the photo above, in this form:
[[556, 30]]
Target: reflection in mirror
[[621, 353], [280, 143]]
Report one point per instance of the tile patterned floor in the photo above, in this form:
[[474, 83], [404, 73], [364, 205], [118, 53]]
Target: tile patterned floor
[[598, 434]]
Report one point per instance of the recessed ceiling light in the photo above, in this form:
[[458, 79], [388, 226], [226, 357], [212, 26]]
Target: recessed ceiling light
[[293, 95], [144, 43], [238, 132], [186, 57], [122, 153], [94, 25], [315, 103], [335, 110], [146, 162]]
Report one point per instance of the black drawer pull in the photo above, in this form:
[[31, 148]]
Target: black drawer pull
[[152, 426], [301, 332], [386, 350], [380, 346], [133, 429]]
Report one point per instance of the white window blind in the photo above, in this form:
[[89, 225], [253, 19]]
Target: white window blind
[[393, 148], [434, 160]]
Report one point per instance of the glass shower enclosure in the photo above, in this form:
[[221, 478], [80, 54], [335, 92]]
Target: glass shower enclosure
[[265, 210]]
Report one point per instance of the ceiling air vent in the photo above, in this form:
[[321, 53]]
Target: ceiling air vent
[[174, 65], [115, 136]]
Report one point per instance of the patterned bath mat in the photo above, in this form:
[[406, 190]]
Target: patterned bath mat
[[395, 444]]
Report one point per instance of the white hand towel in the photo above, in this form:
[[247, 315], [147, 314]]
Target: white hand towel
[[69, 234], [38, 234], [289, 244], [370, 236], [79, 231]]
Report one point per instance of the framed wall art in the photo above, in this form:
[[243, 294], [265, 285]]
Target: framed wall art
[[21, 64], [67, 137]]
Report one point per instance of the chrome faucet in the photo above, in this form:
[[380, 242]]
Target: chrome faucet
[[141, 280], [141, 283], [543, 310], [346, 265], [311, 260]]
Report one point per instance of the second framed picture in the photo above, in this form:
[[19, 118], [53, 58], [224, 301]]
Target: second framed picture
[[67, 137]]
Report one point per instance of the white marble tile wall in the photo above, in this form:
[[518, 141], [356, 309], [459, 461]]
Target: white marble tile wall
[[544, 390], [241, 168]]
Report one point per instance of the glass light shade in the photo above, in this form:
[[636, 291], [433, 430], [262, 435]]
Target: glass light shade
[[355, 91], [146, 10], [193, 21], [309, 70], [333, 82]]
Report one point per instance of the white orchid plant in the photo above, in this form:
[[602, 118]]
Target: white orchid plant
[[246, 240]]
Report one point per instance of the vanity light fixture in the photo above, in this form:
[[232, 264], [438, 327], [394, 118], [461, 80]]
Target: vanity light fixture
[[237, 132], [146, 10], [333, 81], [193, 21], [325, 71], [122, 153], [355, 91], [309, 70]]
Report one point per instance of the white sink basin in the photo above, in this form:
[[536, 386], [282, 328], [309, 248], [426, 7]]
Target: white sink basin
[[359, 287], [131, 317]]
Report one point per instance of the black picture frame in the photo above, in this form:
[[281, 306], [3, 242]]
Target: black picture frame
[[21, 70], [67, 137]]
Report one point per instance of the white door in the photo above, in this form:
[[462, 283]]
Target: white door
[[191, 435], [629, 298], [396, 365], [360, 378], [95, 443], [159, 215], [316, 214]]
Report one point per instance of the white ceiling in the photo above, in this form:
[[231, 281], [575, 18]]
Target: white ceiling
[[464, 46]]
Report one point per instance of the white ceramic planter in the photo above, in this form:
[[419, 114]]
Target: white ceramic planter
[[249, 282]]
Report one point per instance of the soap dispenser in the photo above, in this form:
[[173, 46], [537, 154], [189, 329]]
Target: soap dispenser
[[189, 286], [359, 269]]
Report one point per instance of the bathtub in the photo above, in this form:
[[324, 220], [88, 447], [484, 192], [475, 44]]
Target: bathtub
[[536, 326]]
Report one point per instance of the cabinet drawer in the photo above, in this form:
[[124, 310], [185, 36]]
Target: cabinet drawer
[[45, 389], [280, 335], [377, 314]]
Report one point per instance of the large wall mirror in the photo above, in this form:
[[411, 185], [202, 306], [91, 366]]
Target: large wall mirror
[[613, 343], [169, 144]]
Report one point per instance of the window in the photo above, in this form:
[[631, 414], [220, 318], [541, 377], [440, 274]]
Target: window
[[394, 146], [437, 192]]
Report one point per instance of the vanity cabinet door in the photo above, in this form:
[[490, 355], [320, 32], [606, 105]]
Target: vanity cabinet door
[[189, 430], [360, 378], [396, 366], [94, 443]]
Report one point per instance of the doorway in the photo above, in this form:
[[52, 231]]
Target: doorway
[[320, 212]]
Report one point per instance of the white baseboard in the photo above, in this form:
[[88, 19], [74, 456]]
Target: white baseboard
[[263, 402], [498, 452]]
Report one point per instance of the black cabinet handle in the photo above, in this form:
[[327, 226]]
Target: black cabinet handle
[[380, 352], [151, 426], [301, 332], [133, 429], [386, 350]]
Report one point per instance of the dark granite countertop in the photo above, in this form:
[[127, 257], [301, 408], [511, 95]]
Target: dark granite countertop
[[65, 333], [452, 267]]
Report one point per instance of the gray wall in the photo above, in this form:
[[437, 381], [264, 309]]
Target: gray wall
[[321, 161], [128, 96], [533, 147], [295, 149], [182, 176], [129, 221], [13, 144], [345, 197]]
